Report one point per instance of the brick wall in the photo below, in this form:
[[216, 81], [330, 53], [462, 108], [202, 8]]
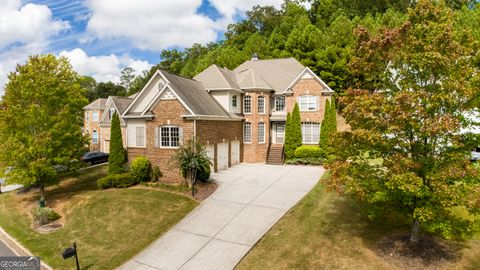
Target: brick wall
[[254, 151], [90, 126], [308, 87]]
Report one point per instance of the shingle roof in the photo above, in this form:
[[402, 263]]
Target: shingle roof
[[98, 104], [193, 93], [248, 79], [121, 103], [277, 73], [215, 78]]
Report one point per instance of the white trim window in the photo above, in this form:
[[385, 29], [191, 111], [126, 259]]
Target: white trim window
[[170, 136], [234, 101], [247, 132], [279, 104], [95, 116], [261, 104], [308, 103], [261, 132], [94, 136], [247, 104], [310, 133], [140, 136]]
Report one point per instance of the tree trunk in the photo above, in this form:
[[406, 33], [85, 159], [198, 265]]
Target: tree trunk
[[193, 180], [415, 232], [42, 196]]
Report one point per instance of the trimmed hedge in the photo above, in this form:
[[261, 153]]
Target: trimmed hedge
[[141, 169], [309, 151], [122, 180]]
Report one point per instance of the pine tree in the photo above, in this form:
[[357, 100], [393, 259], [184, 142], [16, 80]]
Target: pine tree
[[333, 115], [289, 149], [296, 127], [118, 154], [325, 128]]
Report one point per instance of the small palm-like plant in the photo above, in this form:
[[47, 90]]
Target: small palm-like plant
[[191, 158]]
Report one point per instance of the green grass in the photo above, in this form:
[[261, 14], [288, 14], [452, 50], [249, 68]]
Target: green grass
[[326, 231], [108, 226]]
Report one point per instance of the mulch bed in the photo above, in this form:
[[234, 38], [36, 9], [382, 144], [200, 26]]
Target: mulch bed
[[428, 253], [205, 190]]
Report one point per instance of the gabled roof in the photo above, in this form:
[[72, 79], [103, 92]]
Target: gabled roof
[[189, 92], [277, 73], [217, 78], [98, 104], [119, 103]]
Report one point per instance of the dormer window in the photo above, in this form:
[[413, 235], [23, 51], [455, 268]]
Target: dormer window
[[280, 104], [234, 101]]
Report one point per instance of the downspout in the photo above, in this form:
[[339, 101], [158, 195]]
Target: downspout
[[194, 130]]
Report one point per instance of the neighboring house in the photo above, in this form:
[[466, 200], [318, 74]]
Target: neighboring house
[[237, 114], [91, 128]]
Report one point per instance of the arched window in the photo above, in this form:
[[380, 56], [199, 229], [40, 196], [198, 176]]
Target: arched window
[[247, 104], [261, 104]]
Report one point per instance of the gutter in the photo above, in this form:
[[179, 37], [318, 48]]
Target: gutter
[[212, 117]]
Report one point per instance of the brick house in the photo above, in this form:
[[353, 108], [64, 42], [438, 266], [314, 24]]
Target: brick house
[[239, 115]]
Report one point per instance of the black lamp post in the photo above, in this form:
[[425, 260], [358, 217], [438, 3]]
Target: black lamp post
[[70, 252]]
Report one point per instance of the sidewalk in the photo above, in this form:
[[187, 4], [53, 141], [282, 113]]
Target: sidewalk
[[250, 199]]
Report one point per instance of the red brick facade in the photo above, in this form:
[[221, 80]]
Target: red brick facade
[[90, 126], [255, 151]]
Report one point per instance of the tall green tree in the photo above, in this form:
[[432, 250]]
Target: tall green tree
[[296, 128], [288, 145], [406, 150], [127, 77], [117, 154], [325, 128], [40, 122]]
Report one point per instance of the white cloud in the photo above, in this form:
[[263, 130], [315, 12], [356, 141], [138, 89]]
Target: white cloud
[[152, 25], [24, 30], [156, 25], [27, 24], [105, 67]]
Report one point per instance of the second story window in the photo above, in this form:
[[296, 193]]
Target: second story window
[[247, 104], [95, 116], [308, 103], [279, 104], [234, 101], [87, 114], [247, 132], [261, 104], [94, 137]]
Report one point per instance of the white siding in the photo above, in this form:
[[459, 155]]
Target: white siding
[[132, 131], [223, 98]]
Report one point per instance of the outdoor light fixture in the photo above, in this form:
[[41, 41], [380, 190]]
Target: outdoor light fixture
[[70, 252]]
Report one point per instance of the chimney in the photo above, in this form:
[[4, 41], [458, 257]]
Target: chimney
[[254, 57]]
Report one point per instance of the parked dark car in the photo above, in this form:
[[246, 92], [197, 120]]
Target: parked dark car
[[92, 158], [475, 156]]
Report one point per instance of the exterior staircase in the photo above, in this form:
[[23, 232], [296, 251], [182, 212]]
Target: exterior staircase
[[275, 154]]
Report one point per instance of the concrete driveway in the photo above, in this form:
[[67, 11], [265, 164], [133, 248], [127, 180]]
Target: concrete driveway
[[250, 199]]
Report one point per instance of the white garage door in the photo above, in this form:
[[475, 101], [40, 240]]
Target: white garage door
[[211, 154], [222, 156], [235, 152]]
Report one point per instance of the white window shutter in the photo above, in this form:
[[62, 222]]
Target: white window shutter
[[317, 105], [156, 136], [180, 135]]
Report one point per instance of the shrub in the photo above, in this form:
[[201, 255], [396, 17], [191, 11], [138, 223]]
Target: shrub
[[309, 151], [118, 155], [44, 215], [293, 132], [203, 173], [156, 173], [305, 161], [122, 180], [141, 169]]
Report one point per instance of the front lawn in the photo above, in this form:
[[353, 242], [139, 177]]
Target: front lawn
[[109, 226], [326, 231]]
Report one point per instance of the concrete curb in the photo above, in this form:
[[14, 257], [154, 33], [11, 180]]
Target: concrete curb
[[17, 248]]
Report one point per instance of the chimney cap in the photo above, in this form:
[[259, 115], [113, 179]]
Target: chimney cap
[[254, 57]]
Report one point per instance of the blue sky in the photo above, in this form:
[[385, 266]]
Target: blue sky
[[100, 37]]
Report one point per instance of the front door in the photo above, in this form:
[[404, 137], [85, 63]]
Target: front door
[[278, 133]]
